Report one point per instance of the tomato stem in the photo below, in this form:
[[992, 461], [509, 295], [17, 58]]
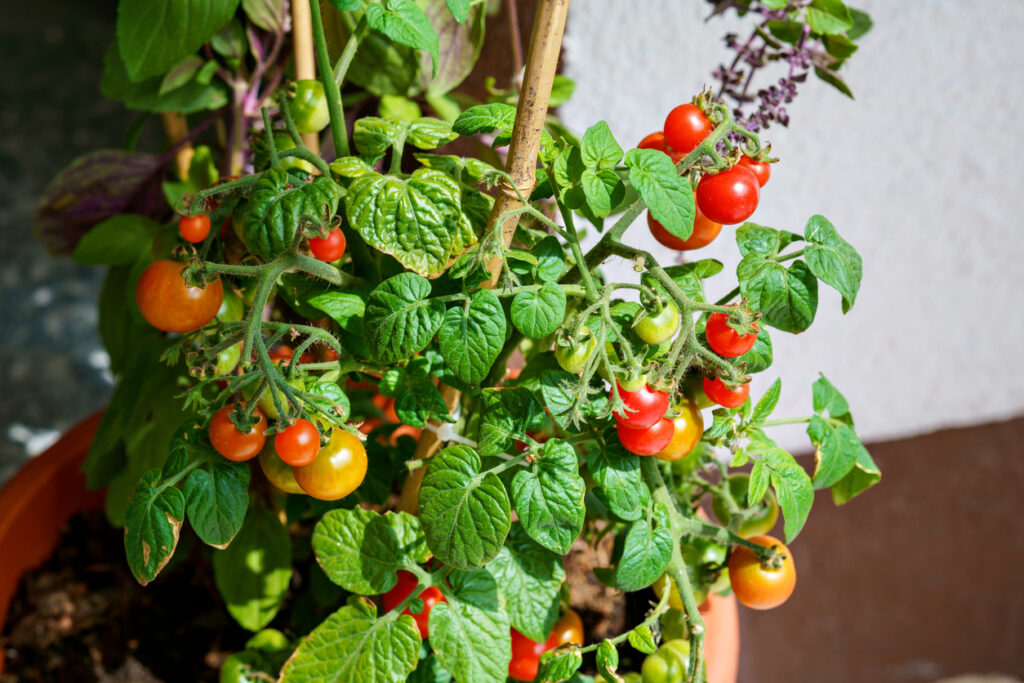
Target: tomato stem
[[339, 133]]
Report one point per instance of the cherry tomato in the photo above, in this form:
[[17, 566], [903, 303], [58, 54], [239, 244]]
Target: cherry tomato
[[670, 664], [767, 508], [233, 444], [762, 170], [693, 388], [655, 328], [721, 394], [308, 107], [265, 401], [657, 141], [430, 596], [282, 353], [298, 445], [724, 340], [337, 470], [686, 127], [573, 358], [689, 428], [330, 248], [194, 228], [730, 196], [704, 233], [568, 629], [277, 471], [168, 304], [227, 360], [644, 407], [231, 308], [646, 441], [758, 586], [525, 657]]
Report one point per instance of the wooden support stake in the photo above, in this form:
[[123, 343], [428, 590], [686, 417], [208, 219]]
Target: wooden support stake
[[176, 128], [302, 52]]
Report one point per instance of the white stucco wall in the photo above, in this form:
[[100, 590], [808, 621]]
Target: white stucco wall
[[922, 174]]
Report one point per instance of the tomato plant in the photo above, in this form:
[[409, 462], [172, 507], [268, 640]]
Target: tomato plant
[[724, 340], [646, 440], [194, 228], [430, 596], [719, 392], [704, 233], [573, 357], [687, 431], [642, 407], [758, 518], [330, 248], [686, 126], [308, 107], [762, 583], [298, 444], [729, 196], [337, 470], [233, 443], [167, 302], [659, 326]]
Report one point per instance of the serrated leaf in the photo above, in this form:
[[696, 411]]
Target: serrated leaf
[[603, 190], [465, 515], [373, 135], [361, 550], [430, 133], [752, 238], [642, 639], [180, 74], [550, 259], [608, 660], [863, 475], [531, 578], [599, 148], [668, 196], [837, 448], [506, 416], [277, 212], [646, 551], [485, 118], [253, 573], [827, 399], [617, 472], [470, 632], [788, 297], [400, 317], [404, 22], [832, 259], [549, 497], [471, 336], [538, 313], [216, 499], [559, 665], [766, 404], [760, 355], [792, 485], [354, 646], [152, 526]]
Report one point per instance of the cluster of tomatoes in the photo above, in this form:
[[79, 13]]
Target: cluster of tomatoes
[[525, 652], [195, 228], [727, 197]]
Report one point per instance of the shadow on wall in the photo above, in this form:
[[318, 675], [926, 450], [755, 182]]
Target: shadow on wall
[[919, 579]]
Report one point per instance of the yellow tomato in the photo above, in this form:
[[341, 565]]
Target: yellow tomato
[[338, 470], [689, 429]]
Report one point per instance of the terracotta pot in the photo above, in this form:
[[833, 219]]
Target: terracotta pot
[[722, 643], [35, 504]]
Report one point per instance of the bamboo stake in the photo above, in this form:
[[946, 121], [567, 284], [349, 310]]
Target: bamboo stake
[[541, 66], [302, 52], [176, 128]]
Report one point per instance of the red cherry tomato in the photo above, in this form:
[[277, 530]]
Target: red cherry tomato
[[723, 340], [704, 233], [759, 586], [194, 228], [686, 127], [525, 657], [330, 248], [657, 141], [568, 629], [168, 304], [281, 354], [762, 170], [718, 392], [233, 444], [648, 441], [407, 584], [729, 197], [645, 406], [298, 445]]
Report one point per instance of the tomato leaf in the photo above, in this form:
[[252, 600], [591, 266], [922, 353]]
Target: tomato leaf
[[646, 551], [832, 259], [530, 578], [430, 133], [760, 355], [217, 498], [400, 319], [617, 472], [470, 632], [405, 23], [788, 297], [549, 497], [465, 515], [668, 196], [791, 483], [253, 573], [429, 669], [608, 660], [459, 9], [841, 461], [471, 336], [507, 415], [642, 639], [599, 148], [538, 313], [559, 665], [690, 276], [152, 525], [276, 213], [373, 135], [461, 37], [863, 475], [354, 646], [766, 404]]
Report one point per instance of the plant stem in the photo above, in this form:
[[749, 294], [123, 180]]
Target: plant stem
[[338, 132], [349, 53]]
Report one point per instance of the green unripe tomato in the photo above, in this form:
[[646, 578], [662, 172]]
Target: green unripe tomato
[[227, 360], [231, 309], [693, 387], [308, 107], [761, 522], [655, 328], [573, 358], [673, 625], [629, 381], [669, 664], [241, 667], [269, 641], [265, 401]]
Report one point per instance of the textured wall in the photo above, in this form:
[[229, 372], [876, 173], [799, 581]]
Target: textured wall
[[921, 174]]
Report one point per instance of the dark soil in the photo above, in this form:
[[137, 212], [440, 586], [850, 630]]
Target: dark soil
[[82, 617]]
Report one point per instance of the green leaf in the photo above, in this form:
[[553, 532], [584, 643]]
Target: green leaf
[[459, 9], [561, 90], [531, 579], [145, 94], [832, 259], [766, 404], [642, 639], [760, 355], [549, 497], [608, 660], [863, 475], [345, 308], [471, 336], [829, 17], [550, 259], [465, 515], [786, 30], [690, 276], [646, 552], [826, 398], [470, 632], [269, 15], [788, 297], [752, 238], [253, 573], [429, 133], [833, 79], [420, 402], [418, 220], [152, 525], [485, 118], [861, 24], [429, 669], [460, 42], [507, 415], [599, 148], [348, 5], [839, 46], [276, 213], [837, 449], [182, 73], [668, 196], [603, 190], [354, 646], [617, 472], [361, 550], [559, 665], [790, 481], [400, 318], [216, 499], [116, 241], [373, 135], [153, 35], [538, 313], [404, 22]]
